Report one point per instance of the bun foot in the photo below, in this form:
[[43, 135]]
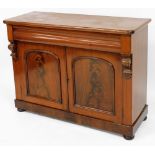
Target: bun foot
[[128, 137], [145, 118], [20, 110]]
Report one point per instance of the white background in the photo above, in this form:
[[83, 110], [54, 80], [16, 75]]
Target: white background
[[31, 129]]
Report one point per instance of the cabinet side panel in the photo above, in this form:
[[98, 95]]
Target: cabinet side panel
[[139, 84]]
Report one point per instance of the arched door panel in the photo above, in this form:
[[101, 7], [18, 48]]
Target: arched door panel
[[44, 78], [94, 82]]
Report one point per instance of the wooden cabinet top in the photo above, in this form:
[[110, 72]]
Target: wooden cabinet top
[[103, 24]]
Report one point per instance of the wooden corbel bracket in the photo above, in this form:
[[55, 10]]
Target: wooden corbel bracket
[[13, 48], [127, 66]]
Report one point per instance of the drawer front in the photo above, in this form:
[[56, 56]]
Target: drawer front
[[95, 84], [79, 39], [40, 75]]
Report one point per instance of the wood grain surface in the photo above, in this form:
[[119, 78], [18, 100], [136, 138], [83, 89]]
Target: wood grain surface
[[119, 25]]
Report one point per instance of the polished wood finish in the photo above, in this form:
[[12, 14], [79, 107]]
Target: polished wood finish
[[103, 24], [91, 70], [139, 94], [127, 130], [41, 75], [94, 84]]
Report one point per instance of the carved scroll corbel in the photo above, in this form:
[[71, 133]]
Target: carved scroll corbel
[[127, 66], [13, 48]]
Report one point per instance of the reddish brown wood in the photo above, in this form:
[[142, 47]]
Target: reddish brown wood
[[91, 70], [97, 75], [126, 130], [78, 38], [40, 67], [112, 96], [139, 85], [10, 32], [103, 24], [41, 75]]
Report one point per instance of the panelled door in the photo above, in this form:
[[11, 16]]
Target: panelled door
[[41, 74], [95, 84]]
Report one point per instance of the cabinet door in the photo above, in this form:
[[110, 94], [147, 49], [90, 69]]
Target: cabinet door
[[40, 75], [95, 84]]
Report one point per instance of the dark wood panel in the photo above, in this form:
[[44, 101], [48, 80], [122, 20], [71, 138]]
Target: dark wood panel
[[94, 83], [80, 84], [41, 71], [42, 66]]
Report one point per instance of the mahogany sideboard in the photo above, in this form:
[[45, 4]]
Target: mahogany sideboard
[[90, 70]]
